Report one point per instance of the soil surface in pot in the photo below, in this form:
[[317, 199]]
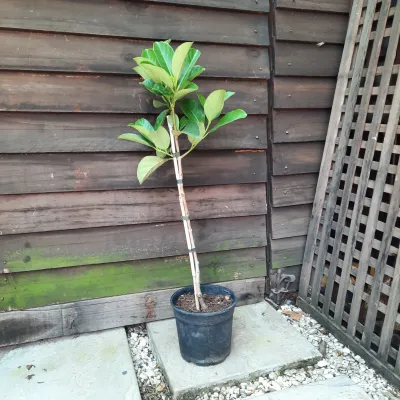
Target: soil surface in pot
[[214, 302]]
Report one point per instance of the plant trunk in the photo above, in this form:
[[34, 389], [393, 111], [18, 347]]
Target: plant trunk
[[194, 262]]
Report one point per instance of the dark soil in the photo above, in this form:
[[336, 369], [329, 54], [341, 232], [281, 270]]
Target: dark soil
[[214, 302]]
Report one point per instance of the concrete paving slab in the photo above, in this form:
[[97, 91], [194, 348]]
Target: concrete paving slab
[[95, 366], [262, 342], [340, 388]]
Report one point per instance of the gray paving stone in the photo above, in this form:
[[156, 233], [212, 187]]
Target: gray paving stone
[[262, 342], [340, 388], [95, 366]]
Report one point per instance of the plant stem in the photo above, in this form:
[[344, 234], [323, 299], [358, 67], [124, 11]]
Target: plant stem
[[194, 262]]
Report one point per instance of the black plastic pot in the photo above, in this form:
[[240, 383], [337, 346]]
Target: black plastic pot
[[205, 338]]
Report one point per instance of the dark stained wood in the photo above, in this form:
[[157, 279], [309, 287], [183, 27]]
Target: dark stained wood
[[136, 20], [304, 92], [290, 221], [296, 158], [246, 5], [108, 94], [293, 189], [38, 51], [105, 313], [287, 252], [64, 132], [307, 59], [300, 125], [308, 26], [48, 212], [43, 173], [35, 251], [339, 6]]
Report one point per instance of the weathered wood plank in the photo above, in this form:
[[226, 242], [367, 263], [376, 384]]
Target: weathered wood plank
[[53, 132], [108, 94], [135, 20], [247, 5], [34, 251], [300, 125], [290, 221], [41, 288], [38, 51], [297, 158], [339, 6], [105, 313], [49, 212], [307, 59], [308, 26], [43, 173], [304, 92], [293, 190], [287, 252]]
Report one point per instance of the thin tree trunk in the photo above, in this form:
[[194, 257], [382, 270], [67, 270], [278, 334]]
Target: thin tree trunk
[[194, 262]]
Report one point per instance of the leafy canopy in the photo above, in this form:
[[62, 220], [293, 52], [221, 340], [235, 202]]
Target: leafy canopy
[[169, 74]]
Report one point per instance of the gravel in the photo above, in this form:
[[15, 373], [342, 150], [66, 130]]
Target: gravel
[[338, 360]]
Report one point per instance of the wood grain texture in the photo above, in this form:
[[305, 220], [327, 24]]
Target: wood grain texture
[[44, 173], [287, 252], [307, 59], [105, 313], [38, 51], [65, 132], [108, 94], [296, 158], [308, 26], [339, 6], [300, 125], [35, 251], [293, 189], [135, 20], [39, 288], [304, 92], [290, 221], [61, 211]]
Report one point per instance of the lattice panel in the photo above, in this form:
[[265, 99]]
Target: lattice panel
[[351, 268]]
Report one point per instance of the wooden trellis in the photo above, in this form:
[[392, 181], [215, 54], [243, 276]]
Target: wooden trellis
[[351, 270]]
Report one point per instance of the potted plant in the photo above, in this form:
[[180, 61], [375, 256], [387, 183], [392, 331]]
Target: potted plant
[[203, 313]]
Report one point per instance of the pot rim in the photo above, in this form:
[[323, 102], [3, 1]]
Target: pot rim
[[186, 289]]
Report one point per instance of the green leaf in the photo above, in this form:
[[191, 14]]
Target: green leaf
[[193, 110], [202, 99], [144, 123], [134, 137], [164, 53], [196, 71], [147, 166], [228, 94], [150, 55], [160, 119], [167, 41], [170, 122], [190, 61], [196, 141], [161, 138], [142, 60], [142, 72], [214, 104], [229, 117], [189, 89], [192, 129], [160, 154], [156, 88], [158, 104], [183, 122], [179, 57], [157, 74]]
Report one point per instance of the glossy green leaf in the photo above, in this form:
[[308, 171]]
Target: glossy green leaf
[[160, 119], [196, 71], [170, 122], [192, 129], [144, 123], [231, 116], [156, 88], [161, 138], [201, 98], [150, 55], [147, 166], [160, 154], [134, 137], [228, 94], [157, 74], [142, 60], [214, 104], [167, 41], [193, 110], [202, 130], [189, 89], [164, 53], [183, 122], [158, 104], [142, 72], [179, 57], [191, 59]]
